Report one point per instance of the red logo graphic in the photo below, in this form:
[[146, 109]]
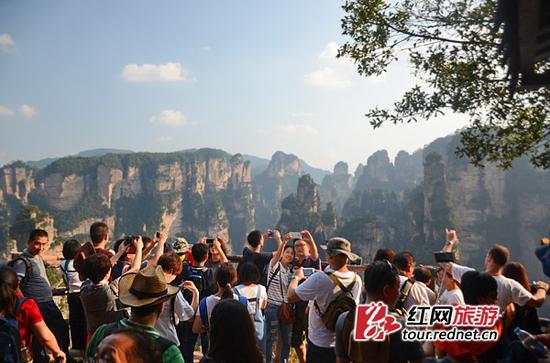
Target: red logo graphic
[[373, 322]]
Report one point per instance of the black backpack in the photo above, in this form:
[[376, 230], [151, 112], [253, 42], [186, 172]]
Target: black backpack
[[201, 276], [10, 342], [28, 269], [399, 308]]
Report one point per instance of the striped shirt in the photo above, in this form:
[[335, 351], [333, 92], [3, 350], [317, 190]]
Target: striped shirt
[[277, 293]]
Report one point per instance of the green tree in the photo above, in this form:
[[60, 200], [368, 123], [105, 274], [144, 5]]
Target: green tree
[[455, 50]]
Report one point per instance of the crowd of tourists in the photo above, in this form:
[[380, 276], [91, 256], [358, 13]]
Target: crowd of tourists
[[148, 300]]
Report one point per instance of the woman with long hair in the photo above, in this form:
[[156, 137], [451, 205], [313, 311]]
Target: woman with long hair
[[30, 322], [225, 277], [525, 317], [232, 335]]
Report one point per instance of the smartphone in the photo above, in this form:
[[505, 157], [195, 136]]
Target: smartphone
[[157, 234], [270, 233], [210, 241], [295, 235], [308, 271]]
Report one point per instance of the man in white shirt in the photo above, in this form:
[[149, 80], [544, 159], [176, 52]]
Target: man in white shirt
[[404, 261], [509, 291], [321, 290], [452, 294]]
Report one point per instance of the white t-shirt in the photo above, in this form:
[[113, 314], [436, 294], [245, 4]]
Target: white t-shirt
[[251, 292], [417, 294], [508, 290], [182, 311], [70, 275], [211, 301], [321, 288], [429, 292], [452, 297]]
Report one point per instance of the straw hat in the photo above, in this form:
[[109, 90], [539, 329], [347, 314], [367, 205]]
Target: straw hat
[[147, 287]]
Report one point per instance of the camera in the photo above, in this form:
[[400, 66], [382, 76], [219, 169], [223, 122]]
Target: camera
[[270, 233], [210, 241], [444, 257], [157, 235], [295, 235], [128, 240], [308, 271]]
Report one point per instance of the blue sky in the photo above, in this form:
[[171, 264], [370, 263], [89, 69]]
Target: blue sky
[[244, 76]]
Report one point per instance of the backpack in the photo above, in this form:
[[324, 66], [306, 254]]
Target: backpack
[[259, 319], [203, 309], [10, 342], [201, 276], [85, 251], [340, 304], [399, 308], [28, 269]]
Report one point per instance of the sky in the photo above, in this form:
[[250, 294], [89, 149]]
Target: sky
[[248, 77]]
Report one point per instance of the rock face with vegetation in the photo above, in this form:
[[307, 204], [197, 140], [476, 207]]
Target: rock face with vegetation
[[187, 193], [302, 210], [337, 187], [276, 182]]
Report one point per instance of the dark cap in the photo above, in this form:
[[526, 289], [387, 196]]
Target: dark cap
[[339, 246]]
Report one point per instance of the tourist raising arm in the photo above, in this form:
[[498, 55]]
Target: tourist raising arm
[[122, 249], [160, 248], [314, 253], [217, 245], [509, 291], [136, 262], [280, 247]]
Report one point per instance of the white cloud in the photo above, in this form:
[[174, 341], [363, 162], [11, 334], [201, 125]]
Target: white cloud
[[206, 48], [332, 73], [330, 52], [6, 41], [328, 78], [155, 72], [170, 118], [298, 129], [5, 111], [302, 114], [27, 111]]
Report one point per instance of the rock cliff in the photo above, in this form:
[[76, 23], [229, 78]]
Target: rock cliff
[[187, 193]]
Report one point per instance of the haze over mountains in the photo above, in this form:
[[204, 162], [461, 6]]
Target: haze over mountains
[[403, 203]]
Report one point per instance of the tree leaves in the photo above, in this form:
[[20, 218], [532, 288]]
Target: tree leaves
[[454, 49]]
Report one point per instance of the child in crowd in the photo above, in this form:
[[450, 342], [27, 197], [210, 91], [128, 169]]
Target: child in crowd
[[77, 319], [98, 295]]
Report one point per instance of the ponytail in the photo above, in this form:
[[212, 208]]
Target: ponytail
[[227, 292], [225, 276]]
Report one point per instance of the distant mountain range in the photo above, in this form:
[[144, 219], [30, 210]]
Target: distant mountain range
[[42, 163], [258, 164]]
